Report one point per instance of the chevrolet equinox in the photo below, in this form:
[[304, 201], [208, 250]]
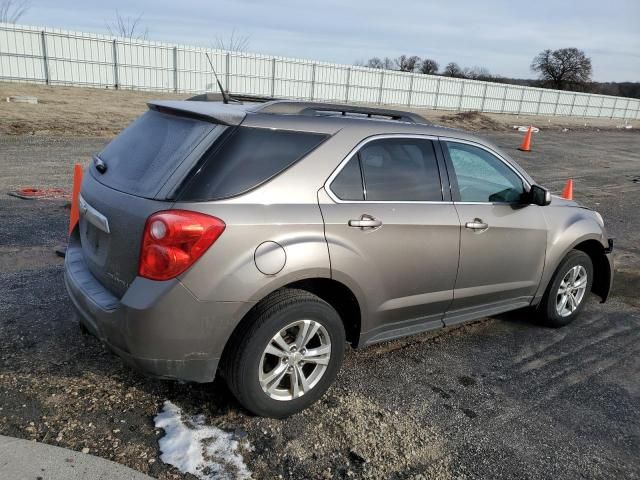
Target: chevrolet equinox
[[256, 239]]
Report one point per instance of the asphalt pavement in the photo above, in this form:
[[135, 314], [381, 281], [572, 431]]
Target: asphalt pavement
[[499, 398]]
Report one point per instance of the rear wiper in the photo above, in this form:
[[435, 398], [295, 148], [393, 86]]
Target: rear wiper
[[101, 167]]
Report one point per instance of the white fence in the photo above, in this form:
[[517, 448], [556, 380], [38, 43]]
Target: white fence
[[58, 57]]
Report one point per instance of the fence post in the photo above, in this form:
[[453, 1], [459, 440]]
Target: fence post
[[539, 102], [626, 109], [555, 109], [504, 99], [175, 69], [410, 90], [346, 93], [380, 89], [573, 104], [313, 80], [273, 77], [116, 80], [586, 107], [600, 109], [461, 95], [613, 110], [437, 94], [44, 57], [520, 102], [227, 66], [484, 97]]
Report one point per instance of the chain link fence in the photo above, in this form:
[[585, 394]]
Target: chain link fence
[[59, 57]]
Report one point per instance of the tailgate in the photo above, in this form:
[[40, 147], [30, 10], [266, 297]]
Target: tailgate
[[111, 227]]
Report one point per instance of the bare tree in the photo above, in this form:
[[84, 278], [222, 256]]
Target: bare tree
[[12, 10], [453, 70], [405, 63], [563, 68], [234, 43], [128, 27], [429, 66], [382, 63], [477, 73]]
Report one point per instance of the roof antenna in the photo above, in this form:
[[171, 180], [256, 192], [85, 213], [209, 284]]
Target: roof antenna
[[225, 96]]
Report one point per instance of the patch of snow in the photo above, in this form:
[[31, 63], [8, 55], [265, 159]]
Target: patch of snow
[[203, 450], [524, 128]]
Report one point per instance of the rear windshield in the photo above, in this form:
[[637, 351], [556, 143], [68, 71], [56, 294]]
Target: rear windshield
[[141, 159], [247, 158]]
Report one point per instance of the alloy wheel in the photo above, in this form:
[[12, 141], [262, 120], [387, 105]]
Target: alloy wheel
[[294, 360], [571, 291]]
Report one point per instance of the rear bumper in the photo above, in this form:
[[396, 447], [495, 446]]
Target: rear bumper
[[159, 328]]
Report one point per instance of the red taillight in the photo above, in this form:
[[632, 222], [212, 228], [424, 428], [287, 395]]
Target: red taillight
[[173, 240]]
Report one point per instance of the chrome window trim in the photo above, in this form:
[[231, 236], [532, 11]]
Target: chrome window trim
[[354, 151]]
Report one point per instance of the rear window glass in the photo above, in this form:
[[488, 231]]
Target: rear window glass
[[141, 159], [246, 159]]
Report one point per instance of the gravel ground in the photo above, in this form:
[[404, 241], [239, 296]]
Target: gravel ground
[[498, 398]]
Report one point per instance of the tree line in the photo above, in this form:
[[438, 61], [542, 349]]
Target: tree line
[[413, 63], [561, 69]]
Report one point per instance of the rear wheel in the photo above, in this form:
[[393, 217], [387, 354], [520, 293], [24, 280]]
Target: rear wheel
[[568, 290], [288, 356]]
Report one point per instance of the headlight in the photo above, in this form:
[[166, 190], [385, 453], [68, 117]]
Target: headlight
[[599, 218]]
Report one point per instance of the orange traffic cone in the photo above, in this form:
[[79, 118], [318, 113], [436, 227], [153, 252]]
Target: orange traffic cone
[[567, 192], [77, 181], [526, 142]]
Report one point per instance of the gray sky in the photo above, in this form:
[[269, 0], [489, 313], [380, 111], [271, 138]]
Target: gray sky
[[501, 35]]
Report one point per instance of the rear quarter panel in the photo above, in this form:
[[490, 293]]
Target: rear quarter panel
[[227, 272]]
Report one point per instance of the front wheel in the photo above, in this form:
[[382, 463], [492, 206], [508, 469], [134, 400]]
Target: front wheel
[[568, 290], [288, 356]]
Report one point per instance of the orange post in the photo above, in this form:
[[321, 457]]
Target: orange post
[[526, 142], [77, 181], [567, 191]]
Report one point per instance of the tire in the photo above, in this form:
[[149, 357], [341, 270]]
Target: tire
[[247, 366], [548, 309]]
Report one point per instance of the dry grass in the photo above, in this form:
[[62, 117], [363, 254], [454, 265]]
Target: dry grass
[[71, 110], [97, 112], [472, 121]]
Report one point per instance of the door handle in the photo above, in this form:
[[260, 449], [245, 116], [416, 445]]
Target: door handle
[[365, 222], [477, 225]]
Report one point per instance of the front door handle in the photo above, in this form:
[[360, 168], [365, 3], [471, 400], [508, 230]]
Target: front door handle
[[365, 221], [477, 225]]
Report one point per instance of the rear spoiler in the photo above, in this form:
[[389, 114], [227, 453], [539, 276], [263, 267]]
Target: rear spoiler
[[224, 114]]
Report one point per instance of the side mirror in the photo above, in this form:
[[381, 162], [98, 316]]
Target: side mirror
[[539, 195]]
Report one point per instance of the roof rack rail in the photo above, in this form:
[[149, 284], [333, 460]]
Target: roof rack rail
[[217, 97], [293, 107]]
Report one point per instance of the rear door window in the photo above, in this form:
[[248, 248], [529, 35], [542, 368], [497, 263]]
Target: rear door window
[[142, 158], [393, 169], [348, 184], [245, 159]]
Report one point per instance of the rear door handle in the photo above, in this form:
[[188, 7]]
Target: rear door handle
[[477, 225], [365, 222]]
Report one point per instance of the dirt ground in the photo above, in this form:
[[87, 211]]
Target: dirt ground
[[498, 398], [104, 112]]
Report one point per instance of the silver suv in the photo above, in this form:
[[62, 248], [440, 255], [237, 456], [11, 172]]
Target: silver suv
[[257, 239]]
